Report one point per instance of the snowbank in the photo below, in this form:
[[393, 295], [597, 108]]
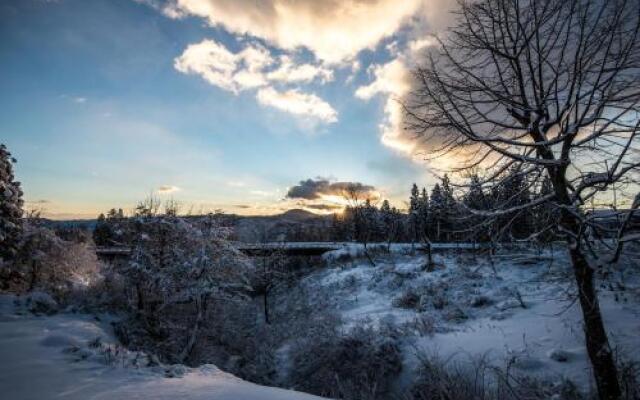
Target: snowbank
[[59, 357]]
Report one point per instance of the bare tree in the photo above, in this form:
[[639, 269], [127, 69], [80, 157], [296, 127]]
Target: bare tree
[[547, 88], [360, 205], [271, 272]]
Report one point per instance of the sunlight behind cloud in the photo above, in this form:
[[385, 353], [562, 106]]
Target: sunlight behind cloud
[[335, 31]]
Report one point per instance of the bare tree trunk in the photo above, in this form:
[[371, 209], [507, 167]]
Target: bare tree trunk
[[600, 354], [598, 348]]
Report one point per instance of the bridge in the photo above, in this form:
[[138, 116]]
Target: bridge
[[309, 248]]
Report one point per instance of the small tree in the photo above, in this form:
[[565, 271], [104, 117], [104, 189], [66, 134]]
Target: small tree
[[176, 270], [550, 88]]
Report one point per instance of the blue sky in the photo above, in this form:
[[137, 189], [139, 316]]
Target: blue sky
[[102, 103]]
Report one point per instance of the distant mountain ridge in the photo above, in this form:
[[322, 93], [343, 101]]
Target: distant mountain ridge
[[294, 224]]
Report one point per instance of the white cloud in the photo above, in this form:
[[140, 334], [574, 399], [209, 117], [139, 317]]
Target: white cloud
[[393, 80], [295, 102], [334, 30], [220, 67], [237, 184], [250, 68], [167, 189], [253, 68], [418, 44], [262, 193], [291, 72], [389, 78]]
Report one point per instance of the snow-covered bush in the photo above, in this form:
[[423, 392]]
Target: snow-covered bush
[[41, 303], [361, 364], [47, 263], [177, 270]]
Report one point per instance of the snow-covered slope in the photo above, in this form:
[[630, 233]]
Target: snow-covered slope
[[35, 366], [467, 309]]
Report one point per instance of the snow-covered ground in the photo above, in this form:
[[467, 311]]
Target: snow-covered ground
[[466, 309], [57, 357]]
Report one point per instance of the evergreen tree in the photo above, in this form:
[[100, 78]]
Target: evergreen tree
[[450, 211], [102, 232], [475, 199], [513, 191], [414, 211], [10, 207], [437, 213], [423, 212]]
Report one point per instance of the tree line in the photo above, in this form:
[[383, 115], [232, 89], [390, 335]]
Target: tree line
[[454, 213]]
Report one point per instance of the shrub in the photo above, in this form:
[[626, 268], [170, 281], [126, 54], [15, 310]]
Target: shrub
[[408, 299], [477, 379], [360, 364]]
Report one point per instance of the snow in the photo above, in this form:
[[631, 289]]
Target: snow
[[482, 315], [49, 357], [465, 309]]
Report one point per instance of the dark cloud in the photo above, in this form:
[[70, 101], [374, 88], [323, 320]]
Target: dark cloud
[[323, 207], [313, 189], [243, 206]]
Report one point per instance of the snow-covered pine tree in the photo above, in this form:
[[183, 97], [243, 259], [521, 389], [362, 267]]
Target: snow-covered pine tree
[[10, 207]]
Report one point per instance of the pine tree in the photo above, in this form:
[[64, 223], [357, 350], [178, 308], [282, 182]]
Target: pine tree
[[450, 211], [423, 212], [386, 222], [102, 232], [10, 207], [475, 199], [414, 210], [513, 191], [437, 213]]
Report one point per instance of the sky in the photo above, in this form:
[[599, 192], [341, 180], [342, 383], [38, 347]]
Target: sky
[[247, 106]]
